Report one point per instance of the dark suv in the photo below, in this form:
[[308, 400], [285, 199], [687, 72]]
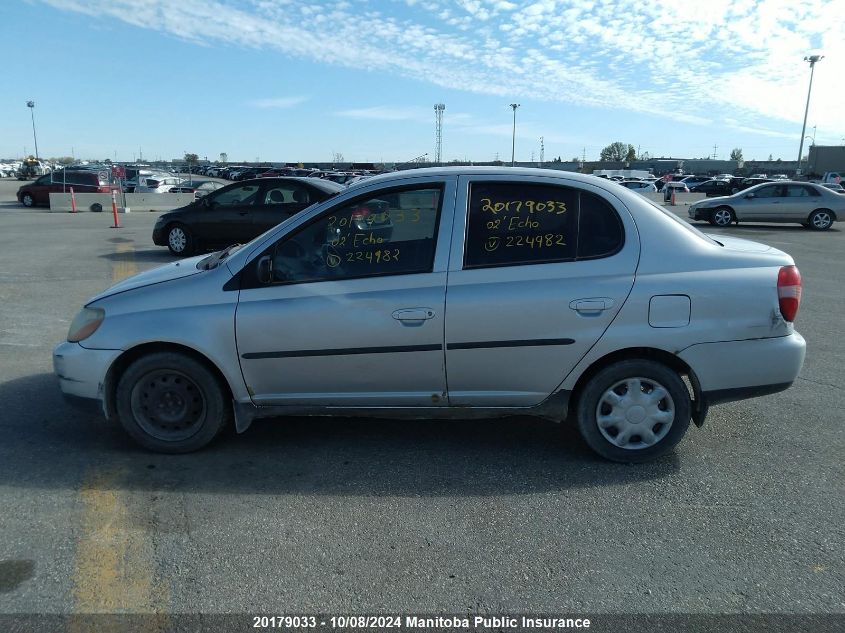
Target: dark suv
[[38, 192]]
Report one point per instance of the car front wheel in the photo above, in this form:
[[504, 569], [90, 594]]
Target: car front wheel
[[27, 200], [171, 403], [179, 240], [634, 411], [820, 220], [722, 216]]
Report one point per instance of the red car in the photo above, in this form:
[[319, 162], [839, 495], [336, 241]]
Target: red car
[[38, 192]]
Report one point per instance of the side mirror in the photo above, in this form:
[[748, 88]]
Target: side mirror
[[265, 269]]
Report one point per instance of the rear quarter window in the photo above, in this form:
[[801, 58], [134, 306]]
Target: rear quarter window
[[514, 223]]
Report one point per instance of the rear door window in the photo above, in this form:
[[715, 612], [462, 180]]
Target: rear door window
[[797, 191], [512, 224]]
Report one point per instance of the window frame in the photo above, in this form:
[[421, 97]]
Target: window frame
[[575, 258], [249, 273]]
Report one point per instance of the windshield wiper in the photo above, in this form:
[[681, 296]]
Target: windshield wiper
[[219, 256]]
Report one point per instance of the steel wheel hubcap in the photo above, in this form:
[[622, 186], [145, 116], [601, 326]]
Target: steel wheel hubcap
[[177, 239], [168, 405], [635, 413], [821, 220], [723, 218]]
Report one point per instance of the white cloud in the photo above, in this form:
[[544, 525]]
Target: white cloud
[[387, 113], [688, 62], [278, 102]]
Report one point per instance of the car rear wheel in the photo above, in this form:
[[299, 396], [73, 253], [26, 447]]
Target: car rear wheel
[[634, 411], [722, 216], [27, 200], [820, 220], [179, 240], [171, 403]]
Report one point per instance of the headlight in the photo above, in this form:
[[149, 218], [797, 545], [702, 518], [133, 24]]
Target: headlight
[[85, 324]]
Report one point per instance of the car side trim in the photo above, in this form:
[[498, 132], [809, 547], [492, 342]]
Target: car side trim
[[554, 408], [517, 343], [346, 351]]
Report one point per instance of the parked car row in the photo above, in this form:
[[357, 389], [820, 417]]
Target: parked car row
[[100, 181], [243, 172]]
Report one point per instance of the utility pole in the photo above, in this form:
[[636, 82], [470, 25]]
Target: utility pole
[[542, 152], [714, 151], [514, 106], [31, 106], [812, 59]]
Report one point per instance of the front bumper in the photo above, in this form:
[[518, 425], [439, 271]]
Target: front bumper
[[736, 370], [81, 371], [696, 213], [159, 236]]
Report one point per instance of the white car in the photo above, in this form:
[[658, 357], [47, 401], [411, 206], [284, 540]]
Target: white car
[[642, 186], [675, 185], [497, 292], [158, 184]]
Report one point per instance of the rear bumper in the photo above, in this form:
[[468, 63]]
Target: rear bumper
[[736, 370]]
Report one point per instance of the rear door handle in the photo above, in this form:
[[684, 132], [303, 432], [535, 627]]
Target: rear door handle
[[413, 314], [592, 305]]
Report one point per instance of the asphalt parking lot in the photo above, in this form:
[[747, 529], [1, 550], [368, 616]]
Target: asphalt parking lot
[[360, 516]]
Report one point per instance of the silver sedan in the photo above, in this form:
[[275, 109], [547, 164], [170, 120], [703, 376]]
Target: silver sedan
[[497, 292], [809, 204]]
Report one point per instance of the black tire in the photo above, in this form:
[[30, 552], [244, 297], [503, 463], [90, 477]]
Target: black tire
[[179, 240], [27, 200], [820, 220], [722, 216], [96, 208], [673, 402], [171, 403]]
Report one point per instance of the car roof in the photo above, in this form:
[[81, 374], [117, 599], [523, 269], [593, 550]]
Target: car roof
[[318, 183]]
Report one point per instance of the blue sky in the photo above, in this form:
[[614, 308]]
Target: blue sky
[[287, 80]]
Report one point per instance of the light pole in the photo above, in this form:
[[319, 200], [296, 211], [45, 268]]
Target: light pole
[[31, 106], [812, 59], [513, 139]]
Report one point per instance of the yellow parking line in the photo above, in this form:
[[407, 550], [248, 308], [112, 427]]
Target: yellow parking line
[[124, 264], [115, 570]]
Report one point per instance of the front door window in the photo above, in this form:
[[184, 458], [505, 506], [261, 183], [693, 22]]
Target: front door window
[[392, 233]]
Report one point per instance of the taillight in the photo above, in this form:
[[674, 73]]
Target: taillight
[[359, 213], [789, 291]]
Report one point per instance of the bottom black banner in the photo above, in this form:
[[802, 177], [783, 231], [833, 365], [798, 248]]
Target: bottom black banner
[[471, 623]]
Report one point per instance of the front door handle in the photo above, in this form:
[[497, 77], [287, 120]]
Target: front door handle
[[414, 314], [592, 305]]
